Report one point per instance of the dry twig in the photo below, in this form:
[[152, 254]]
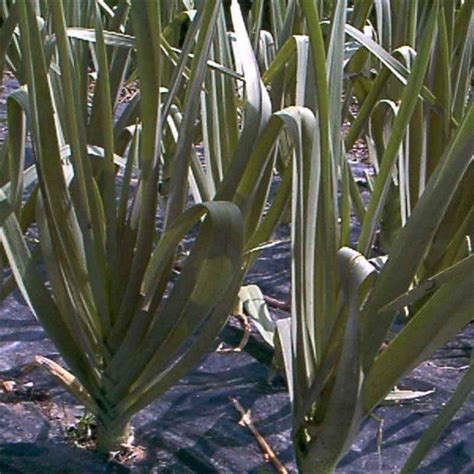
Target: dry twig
[[274, 303], [268, 453], [244, 320]]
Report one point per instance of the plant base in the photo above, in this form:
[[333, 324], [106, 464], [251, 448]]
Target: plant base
[[113, 436]]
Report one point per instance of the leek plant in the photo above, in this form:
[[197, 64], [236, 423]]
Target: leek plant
[[432, 124], [13, 177], [126, 329], [16, 178], [237, 128], [338, 360], [9, 18], [20, 184], [102, 181]]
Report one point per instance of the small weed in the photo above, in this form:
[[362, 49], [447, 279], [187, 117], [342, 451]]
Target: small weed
[[82, 433]]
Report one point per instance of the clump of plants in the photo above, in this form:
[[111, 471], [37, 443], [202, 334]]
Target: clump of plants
[[125, 332], [117, 189]]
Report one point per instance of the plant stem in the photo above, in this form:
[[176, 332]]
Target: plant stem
[[111, 435]]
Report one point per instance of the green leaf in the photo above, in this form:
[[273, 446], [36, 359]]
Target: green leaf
[[414, 239], [439, 319], [333, 434], [394, 66], [399, 128], [254, 305]]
